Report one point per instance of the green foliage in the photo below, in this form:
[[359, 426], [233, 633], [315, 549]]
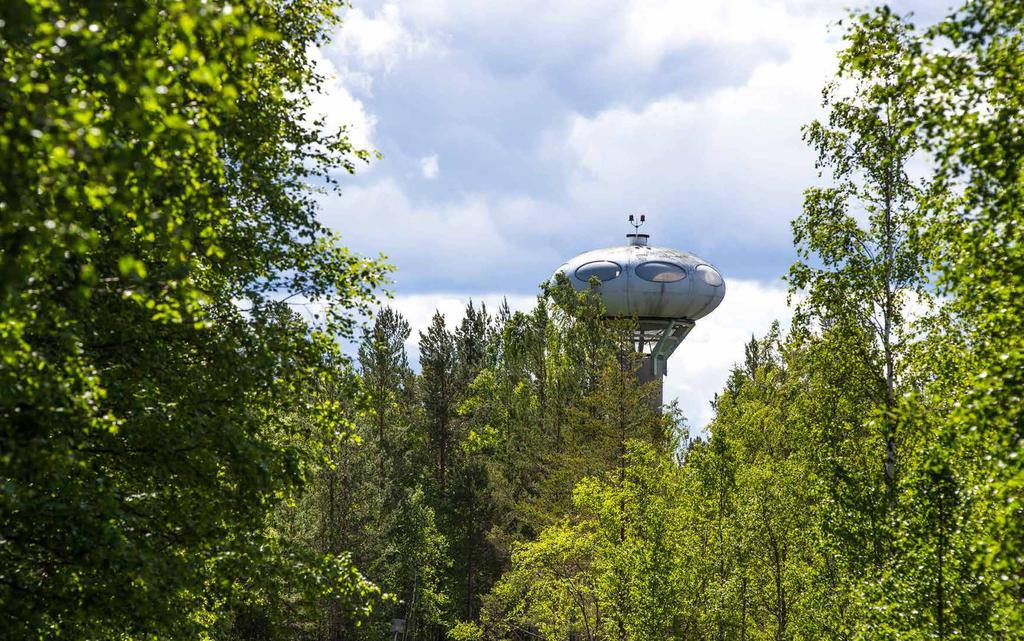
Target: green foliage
[[862, 263], [866, 273], [612, 570], [466, 631], [758, 503], [926, 576], [980, 261], [182, 455], [155, 388]]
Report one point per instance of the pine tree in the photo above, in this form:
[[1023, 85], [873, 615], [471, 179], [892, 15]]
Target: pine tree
[[388, 379], [439, 391]]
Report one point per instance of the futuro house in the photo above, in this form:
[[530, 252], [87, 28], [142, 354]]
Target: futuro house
[[665, 290]]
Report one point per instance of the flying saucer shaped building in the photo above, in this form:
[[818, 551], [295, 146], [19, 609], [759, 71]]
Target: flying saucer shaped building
[[665, 290]]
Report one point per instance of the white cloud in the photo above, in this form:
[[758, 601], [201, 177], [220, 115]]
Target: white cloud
[[365, 45], [731, 163], [376, 41], [653, 28], [633, 33], [569, 18], [728, 166], [429, 167], [722, 170], [472, 241], [336, 105], [419, 309]]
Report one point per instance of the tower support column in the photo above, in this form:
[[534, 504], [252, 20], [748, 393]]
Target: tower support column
[[657, 339], [646, 375]]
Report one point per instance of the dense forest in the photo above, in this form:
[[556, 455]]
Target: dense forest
[[186, 455]]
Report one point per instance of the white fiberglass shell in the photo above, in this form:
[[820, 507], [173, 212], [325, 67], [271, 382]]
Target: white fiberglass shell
[[649, 282]]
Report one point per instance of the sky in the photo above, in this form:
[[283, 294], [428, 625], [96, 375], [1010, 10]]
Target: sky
[[516, 135]]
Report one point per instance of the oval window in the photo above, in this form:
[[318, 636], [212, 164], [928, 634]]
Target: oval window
[[710, 276], [657, 272], [603, 269]]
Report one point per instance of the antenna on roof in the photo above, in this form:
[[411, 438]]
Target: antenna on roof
[[635, 223]]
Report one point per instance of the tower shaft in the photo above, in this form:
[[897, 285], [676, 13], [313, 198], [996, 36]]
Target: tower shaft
[[657, 339]]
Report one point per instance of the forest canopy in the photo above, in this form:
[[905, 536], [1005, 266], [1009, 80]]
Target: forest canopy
[[187, 451]]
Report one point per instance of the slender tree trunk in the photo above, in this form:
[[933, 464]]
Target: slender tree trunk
[[333, 616], [889, 240]]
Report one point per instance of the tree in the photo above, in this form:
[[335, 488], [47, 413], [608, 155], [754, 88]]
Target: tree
[[611, 570], [451, 363], [972, 120], [863, 261], [954, 103], [154, 382], [385, 525], [384, 368], [439, 390], [866, 271], [757, 504]]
